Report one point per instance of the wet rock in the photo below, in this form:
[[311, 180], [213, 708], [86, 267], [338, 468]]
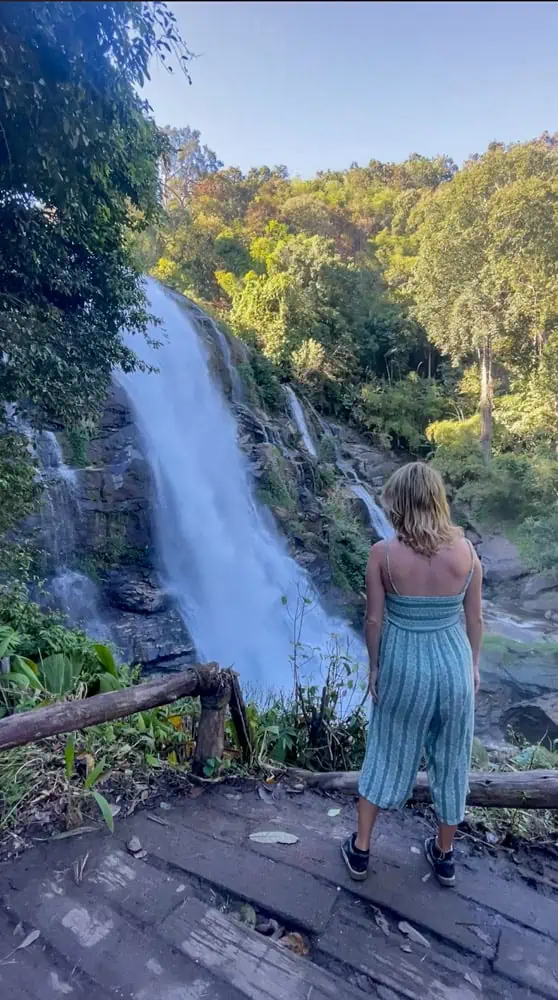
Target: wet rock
[[159, 641], [132, 592], [536, 720]]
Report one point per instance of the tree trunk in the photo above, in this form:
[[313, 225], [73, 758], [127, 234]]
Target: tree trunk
[[498, 789], [486, 399], [68, 716], [239, 718]]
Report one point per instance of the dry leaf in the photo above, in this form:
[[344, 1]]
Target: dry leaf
[[247, 915], [333, 812], [415, 850], [474, 980], [413, 934], [30, 939], [273, 837], [380, 921], [296, 943]]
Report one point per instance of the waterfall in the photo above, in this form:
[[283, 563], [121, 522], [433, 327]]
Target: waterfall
[[229, 571], [378, 519], [65, 589], [300, 420]]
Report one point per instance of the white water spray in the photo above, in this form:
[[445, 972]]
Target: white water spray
[[228, 570]]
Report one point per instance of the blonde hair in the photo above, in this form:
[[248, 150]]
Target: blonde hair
[[414, 499]]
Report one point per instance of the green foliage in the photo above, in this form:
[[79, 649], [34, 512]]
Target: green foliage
[[399, 412], [348, 543], [261, 382], [70, 74], [276, 487]]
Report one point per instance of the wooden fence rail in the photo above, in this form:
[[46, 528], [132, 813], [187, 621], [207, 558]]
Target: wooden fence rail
[[218, 690]]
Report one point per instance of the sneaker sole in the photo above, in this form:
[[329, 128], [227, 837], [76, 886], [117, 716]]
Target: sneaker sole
[[447, 883], [356, 876]]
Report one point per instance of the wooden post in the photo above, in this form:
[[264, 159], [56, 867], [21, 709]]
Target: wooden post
[[210, 741], [240, 718]]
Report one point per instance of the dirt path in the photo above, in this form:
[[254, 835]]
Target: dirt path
[[165, 925]]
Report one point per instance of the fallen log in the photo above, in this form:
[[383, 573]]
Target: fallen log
[[68, 716], [493, 790]]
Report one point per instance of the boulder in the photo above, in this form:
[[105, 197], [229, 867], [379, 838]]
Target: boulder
[[154, 641], [536, 720], [537, 584], [547, 601], [130, 591], [500, 560]]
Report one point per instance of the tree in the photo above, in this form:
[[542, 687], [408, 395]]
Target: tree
[[185, 162], [486, 278], [79, 153]]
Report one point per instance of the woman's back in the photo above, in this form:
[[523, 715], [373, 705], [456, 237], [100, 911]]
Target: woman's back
[[408, 573]]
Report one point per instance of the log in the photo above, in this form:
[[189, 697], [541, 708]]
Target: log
[[493, 790], [69, 716], [210, 741], [239, 719]]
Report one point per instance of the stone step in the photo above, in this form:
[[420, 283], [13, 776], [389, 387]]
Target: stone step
[[295, 897], [129, 963]]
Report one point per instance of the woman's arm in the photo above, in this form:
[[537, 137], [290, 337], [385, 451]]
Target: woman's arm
[[375, 598], [473, 617]]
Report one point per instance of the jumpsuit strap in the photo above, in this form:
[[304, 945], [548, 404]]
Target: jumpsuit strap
[[472, 569], [395, 590]]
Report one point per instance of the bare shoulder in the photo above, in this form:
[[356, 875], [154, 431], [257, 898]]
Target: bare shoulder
[[377, 552]]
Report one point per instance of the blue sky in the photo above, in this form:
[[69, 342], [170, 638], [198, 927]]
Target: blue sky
[[319, 85]]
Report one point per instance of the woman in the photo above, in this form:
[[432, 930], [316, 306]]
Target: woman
[[424, 667]]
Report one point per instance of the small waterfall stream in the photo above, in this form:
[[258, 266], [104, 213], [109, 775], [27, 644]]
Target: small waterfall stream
[[378, 520], [227, 568], [66, 588], [299, 418]]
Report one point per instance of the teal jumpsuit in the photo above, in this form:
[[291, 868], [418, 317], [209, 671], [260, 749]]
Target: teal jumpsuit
[[425, 703]]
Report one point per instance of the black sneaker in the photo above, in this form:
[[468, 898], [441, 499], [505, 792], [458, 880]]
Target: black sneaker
[[355, 860], [442, 864]]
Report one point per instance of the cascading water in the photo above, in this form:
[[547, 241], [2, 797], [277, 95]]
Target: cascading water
[[378, 519], [65, 588], [300, 420], [230, 573]]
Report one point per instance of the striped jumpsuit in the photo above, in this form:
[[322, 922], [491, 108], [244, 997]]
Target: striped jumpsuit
[[425, 703]]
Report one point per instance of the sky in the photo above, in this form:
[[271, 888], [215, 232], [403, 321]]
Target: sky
[[321, 85]]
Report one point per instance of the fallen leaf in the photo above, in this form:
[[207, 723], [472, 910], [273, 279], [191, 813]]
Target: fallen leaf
[[231, 796], [413, 934], [247, 915], [415, 850], [273, 837], [474, 980], [30, 939], [333, 812], [406, 947], [18, 929], [380, 921], [296, 943]]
